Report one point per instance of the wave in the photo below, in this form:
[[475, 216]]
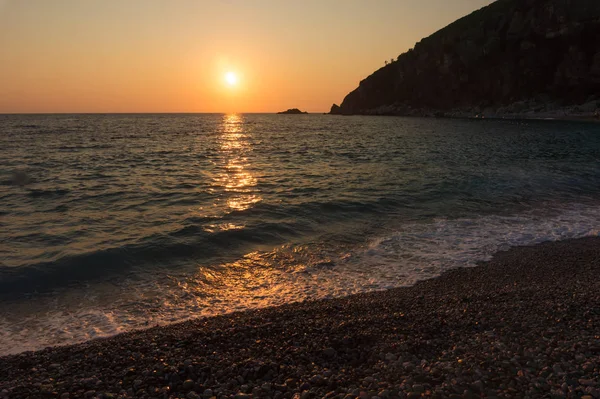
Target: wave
[[185, 246], [418, 251], [39, 193], [413, 252], [439, 244], [24, 126]]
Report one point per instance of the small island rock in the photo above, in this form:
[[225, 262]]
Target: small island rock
[[292, 111]]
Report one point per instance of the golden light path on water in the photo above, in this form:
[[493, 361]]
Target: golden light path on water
[[255, 279], [259, 278], [235, 178]]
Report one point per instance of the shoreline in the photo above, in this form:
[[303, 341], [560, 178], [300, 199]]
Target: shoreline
[[520, 117], [587, 119], [584, 119], [525, 323], [589, 112]]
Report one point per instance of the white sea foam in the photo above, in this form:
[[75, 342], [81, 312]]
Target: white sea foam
[[423, 250], [412, 252]]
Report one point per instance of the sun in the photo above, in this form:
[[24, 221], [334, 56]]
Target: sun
[[231, 78]]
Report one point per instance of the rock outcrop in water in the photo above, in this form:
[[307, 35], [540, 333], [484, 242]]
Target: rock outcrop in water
[[511, 58], [292, 111]]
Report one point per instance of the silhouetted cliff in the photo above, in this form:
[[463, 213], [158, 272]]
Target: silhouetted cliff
[[511, 57]]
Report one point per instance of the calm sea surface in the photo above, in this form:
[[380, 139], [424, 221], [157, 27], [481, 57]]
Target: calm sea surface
[[114, 222]]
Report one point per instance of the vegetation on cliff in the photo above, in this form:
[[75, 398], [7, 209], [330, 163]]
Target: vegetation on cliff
[[513, 56]]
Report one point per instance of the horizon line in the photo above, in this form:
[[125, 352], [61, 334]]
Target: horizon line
[[149, 113]]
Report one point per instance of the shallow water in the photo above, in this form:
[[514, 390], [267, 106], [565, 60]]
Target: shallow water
[[114, 222]]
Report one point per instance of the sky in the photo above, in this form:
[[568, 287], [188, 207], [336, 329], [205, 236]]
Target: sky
[[70, 56]]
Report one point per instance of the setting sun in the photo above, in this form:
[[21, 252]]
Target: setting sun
[[231, 78]]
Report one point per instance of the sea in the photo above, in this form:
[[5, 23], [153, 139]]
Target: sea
[[111, 223]]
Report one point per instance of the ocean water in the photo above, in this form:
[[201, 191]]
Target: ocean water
[[110, 223]]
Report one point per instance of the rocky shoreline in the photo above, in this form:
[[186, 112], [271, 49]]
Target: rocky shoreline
[[589, 111], [526, 324]]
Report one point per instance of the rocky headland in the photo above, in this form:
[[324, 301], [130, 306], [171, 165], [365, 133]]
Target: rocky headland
[[513, 58]]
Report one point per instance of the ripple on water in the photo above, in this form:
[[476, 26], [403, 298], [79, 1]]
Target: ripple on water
[[126, 221]]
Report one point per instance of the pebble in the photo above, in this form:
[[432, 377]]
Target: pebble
[[587, 383], [330, 352], [418, 388], [188, 385], [267, 387], [305, 386], [317, 380], [290, 382]]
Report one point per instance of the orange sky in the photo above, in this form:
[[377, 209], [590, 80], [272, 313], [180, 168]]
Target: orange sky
[[172, 55]]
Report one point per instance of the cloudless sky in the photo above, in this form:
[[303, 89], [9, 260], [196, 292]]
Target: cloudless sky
[[172, 55]]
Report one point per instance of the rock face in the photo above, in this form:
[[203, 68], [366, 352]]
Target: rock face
[[292, 111], [511, 57]]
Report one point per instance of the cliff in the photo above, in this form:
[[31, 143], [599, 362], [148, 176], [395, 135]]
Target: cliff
[[512, 57]]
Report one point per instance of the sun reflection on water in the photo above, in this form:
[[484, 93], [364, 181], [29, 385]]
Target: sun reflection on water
[[256, 280], [237, 182]]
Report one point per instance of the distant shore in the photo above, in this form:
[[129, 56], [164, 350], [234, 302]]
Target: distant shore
[[520, 110], [524, 324], [512, 117]]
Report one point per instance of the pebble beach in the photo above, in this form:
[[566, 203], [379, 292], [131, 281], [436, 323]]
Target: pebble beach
[[524, 325]]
